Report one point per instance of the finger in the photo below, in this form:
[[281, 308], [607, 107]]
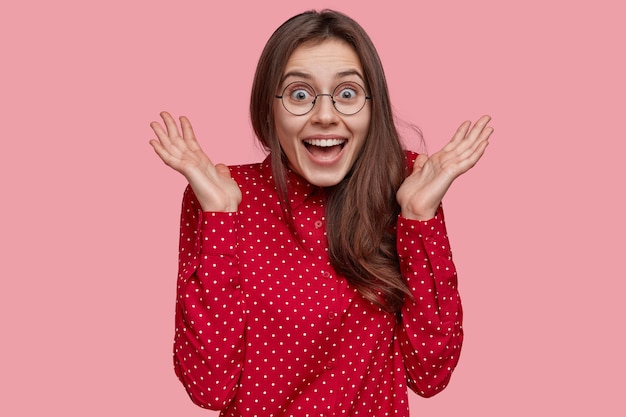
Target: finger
[[466, 138], [185, 124], [473, 155], [161, 151], [481, 138], [485, 134], [160, 133], [483, 120], [476, 154], [170, 124], [459, 135], [478, 128], [188, 135]]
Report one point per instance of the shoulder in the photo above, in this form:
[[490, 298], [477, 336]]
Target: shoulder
[[250, 173]]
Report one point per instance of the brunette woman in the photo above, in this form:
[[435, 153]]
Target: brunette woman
[[319, 281]]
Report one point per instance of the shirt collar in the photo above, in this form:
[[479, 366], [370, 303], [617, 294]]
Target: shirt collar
[[299, 190]]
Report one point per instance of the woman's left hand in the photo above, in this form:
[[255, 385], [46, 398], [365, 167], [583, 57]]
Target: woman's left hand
[[421, 192]]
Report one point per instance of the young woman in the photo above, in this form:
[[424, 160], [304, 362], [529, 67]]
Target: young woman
[[319, 282]]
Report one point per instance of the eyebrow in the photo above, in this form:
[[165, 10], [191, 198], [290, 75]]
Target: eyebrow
[[308, 76]]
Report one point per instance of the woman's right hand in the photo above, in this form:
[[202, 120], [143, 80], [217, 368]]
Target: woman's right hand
[[212, 184]]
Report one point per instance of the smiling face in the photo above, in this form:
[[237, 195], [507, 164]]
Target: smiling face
[[322, 145]]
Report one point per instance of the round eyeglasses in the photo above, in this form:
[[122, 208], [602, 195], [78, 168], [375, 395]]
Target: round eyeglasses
[[299, 98]]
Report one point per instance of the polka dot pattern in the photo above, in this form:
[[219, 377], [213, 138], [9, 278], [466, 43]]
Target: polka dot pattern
[[266, 327]]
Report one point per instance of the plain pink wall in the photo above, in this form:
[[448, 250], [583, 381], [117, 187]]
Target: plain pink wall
[[90, 215]]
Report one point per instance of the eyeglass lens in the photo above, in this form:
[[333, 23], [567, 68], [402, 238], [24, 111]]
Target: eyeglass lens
[[299, 98]]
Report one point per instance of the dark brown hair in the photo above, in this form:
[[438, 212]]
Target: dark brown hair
[[361, 210]]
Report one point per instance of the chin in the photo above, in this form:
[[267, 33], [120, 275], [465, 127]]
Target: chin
[[324, 179]]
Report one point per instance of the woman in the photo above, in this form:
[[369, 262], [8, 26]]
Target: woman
[[319, 282]]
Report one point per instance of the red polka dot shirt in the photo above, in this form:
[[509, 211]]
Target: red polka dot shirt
[[266, 327]]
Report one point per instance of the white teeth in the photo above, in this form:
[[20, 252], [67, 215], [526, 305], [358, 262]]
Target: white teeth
[[325, 142]]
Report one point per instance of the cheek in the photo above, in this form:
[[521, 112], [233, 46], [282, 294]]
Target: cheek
[[362, 127], [287, 129], [365, 127], [280, 121]]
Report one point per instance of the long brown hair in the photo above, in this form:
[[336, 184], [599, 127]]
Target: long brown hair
[[361, 210]]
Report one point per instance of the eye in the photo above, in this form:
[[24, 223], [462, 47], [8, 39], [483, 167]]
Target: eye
[[347, 92], [300, 95], [300, 92]]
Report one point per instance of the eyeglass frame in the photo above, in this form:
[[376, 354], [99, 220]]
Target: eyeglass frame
[[314, 101]]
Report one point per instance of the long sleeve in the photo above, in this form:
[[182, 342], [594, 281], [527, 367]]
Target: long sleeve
[[430, 333], [210, 316]]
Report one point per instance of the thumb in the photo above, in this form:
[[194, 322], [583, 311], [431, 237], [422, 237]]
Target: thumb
[[222, 170], [420, 161]]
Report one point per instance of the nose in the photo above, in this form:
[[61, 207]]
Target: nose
[[324, 110]]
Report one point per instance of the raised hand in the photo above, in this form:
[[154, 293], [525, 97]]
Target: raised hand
[[212, 184], [421, 192]]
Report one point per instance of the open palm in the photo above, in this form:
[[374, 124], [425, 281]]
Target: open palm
[[212, 184], [421, 192]]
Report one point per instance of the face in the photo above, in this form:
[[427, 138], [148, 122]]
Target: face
[[322, 145]]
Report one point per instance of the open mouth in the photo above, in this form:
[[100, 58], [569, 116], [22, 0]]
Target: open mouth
[[325, 148]]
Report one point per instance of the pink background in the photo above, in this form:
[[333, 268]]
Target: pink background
[[89, 218]]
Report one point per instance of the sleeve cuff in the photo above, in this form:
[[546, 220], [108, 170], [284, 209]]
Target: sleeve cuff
[[217, 233], [430, 235], [426, 228]]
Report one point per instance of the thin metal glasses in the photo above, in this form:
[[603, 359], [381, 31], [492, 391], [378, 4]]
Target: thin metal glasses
[[348, 98]]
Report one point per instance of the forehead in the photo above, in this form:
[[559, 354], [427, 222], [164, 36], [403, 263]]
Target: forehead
[[329, 59]]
